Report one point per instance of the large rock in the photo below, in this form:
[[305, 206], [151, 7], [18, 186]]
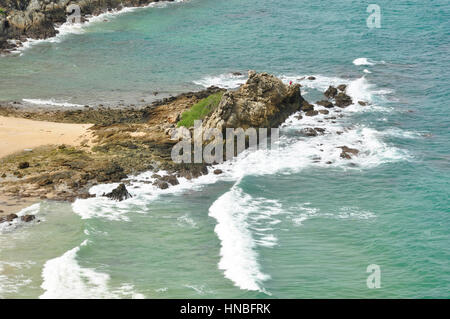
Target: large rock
[[264, 101], [119, 194]]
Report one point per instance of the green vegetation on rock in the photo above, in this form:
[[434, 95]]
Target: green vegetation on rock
[[2, 11], [199, 110]]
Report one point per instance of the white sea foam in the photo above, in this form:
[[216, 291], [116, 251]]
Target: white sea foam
[[50, 102], [238, 217], [362, 61], [227, 81], [64, 278]]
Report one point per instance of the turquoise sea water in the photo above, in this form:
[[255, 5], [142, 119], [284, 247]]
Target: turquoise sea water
[[281, 225]]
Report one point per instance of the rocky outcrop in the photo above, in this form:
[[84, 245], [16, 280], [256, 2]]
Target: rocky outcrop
[[27, 218], [343, 100], [36, 19], [264, 101], [347, 152], [119, 194], [331, 92], [8, 218]]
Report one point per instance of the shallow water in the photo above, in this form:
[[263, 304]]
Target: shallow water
[[277, 224]]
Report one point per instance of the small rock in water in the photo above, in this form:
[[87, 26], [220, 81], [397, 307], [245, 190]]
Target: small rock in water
[[325, 103], [27, 218], [324, 112], [311, 78], [342, 87], [120, 193], [309, 132], [362, 103], [236, 73], [218, 171], [347, 152], [161, 184], [312, 113], [8, 218], [331, 92], [171, 179], [343, 100]]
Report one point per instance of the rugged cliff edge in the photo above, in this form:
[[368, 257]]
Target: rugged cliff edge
[[38, 19]]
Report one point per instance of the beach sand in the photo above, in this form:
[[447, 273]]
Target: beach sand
[[17, 134]]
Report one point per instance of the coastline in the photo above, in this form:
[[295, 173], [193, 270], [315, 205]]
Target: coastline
[[50, 21], [72, 150], [67, 151]]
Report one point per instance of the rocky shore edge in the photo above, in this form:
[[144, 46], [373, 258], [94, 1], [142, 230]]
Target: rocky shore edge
[[130, 141], [21, 20]]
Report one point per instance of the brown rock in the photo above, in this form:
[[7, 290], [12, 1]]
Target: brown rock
[[325, 103], [331, 92], [8, 218], [343, 100], [23, 165], [171, 179], [161, 184], [324, 112], [311, 78], [312, 113], [27, 218], [342, 87], [306, 106], [347, 152], [362, 103], [218, 171]]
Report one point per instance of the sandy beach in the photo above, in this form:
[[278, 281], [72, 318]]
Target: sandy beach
[[18, 134]]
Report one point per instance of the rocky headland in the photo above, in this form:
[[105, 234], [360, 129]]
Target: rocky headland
[[129, 141]]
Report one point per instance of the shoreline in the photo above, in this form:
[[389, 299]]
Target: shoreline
[[55, 22], [110, 145], [99, 146]]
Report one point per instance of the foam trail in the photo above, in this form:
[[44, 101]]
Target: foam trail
[[64, 278], [237, 214], [226, 81], [50, 102]]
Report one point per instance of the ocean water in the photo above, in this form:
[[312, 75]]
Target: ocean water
[[276, 224]]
